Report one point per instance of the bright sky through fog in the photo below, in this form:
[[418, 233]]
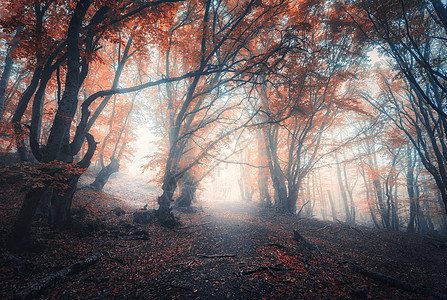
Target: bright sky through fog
[[145, 145], [375, 56]]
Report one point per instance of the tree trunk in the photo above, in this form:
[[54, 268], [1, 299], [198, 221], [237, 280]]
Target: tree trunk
[[323, 202], [19, 238], [386, 213], [343, 192], [20, 110], [378, 190], [264, 195], [164, 212], [349, 192], [6, 74], [105, 174], [58, 145], [394, 212], [410, 190], [334, 213], [43, 208], [368, 199], [189, 188], [244, 187], [60, 208], [292, 197], [36, 290], [276, 173]]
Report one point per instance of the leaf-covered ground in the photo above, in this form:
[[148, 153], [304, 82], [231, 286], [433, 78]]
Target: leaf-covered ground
[[221, 251]]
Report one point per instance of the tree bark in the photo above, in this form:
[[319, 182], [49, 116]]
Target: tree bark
[[34, 291], [263, 185], [19, 238], [20, 110], [60, 208], [105, 174], [58, 144], [58, 147], [6, 74], [343, 192], [331, 202], [244, 182], [189, 188], [164, 212], [276, 173], [368, 199]]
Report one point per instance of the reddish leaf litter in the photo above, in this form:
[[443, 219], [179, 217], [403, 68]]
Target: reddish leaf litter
[[221, 250]]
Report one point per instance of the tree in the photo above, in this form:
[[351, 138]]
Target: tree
[[73, 43], [412, 33], [302, 105], [227, 30], [117, 124]]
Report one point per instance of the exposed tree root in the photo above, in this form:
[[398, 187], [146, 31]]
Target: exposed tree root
[[349, 226], [216, 255], [36, 289], [372, 274], [389, 280], [299, 238]]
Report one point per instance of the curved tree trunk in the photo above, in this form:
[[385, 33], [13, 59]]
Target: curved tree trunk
[[60, 208], [164, 212], [6, 74], [276, 173], [57, 147], [292, 198], [368, 197], [20, 110], [331, 202], [411, 182], [105, 174], [19, 238], [263, 184], [343, 193], [189, 189]]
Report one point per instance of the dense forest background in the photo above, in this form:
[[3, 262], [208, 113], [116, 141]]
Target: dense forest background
[[334, 109]]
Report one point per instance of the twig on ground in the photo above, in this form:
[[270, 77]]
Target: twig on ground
[[335, 231], [216, 255], [322, 228], [349, 226], [270, 271]]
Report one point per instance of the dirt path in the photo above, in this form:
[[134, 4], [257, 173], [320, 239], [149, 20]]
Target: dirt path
[[221, 251], [268, 263]]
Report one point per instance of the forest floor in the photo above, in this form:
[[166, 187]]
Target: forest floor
[[221, 250]]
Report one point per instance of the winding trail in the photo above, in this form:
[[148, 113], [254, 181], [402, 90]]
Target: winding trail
[[250, 254], [222, 250]]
